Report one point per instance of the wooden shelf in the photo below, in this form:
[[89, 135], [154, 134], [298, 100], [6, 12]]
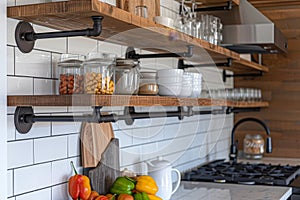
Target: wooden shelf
[[124, 28], [122, 100]]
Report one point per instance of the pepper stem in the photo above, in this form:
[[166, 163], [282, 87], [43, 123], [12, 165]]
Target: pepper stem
[[73, 167]]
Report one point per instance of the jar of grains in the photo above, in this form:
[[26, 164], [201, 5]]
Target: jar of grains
[[70, 74], [98, 73]]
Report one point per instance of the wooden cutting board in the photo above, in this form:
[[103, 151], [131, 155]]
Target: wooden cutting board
[[108, 169], [153, 6], [94, 139]]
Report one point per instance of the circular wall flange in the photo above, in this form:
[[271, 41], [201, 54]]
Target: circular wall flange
[[24, 45], [20, 124], [127, 111]]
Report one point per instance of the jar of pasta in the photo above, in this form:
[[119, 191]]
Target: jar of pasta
[[98, 73], [70, 74]]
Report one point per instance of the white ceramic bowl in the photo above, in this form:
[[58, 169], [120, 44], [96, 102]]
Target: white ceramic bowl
[[166, 73], [166, 21], [174, 79], [169, 90], [186, 91]]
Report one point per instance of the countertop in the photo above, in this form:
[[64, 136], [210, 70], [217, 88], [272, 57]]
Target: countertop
[[217, 191]]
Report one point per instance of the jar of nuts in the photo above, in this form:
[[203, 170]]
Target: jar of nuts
[[70, 74], [98, 73], [253, 146]]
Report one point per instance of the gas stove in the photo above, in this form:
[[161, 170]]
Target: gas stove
[[220, 171], [244, 173]]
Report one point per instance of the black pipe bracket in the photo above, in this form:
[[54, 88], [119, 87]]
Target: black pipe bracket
[[216, 8], [131, 54], [181, 64], [25, 36]]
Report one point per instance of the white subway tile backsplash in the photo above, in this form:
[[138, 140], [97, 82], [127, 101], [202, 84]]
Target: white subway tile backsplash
[[40, 129], [39, 176], [73, 145], [51, 148], [11, 26], [19, 153], [12, 198], [36, 63], [11, 131], [10, 60], [10, 190], [60, 192], [62, 170], [109, 48], [19, 86], [59, 128], [80, 45], [40, 194], [11, 2], [27, 2], [125, 137], [130, 155], [44, 86], [56, 45]]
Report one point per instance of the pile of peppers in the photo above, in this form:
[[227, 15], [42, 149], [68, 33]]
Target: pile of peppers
[[143, 188], [123, 188]]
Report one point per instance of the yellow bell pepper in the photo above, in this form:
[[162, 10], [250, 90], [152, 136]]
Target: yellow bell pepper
[[153, 197], [146, 184]]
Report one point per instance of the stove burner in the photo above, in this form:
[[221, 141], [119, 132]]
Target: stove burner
[[244, 173]]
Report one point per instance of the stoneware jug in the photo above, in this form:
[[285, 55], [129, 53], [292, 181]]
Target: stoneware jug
[[161, 170]]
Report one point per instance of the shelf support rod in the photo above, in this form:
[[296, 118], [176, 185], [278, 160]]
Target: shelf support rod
[[131, 54], [181, 64], [225, 75], [26, 37], [216, 8]]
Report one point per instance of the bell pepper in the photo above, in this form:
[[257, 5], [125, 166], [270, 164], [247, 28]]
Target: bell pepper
[[141, 196], [102, 197], [79, 186], [125, 197], [93, 195], [153, 197], [122, 185], [146, 184]]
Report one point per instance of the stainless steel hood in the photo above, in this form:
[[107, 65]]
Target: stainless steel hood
[[247, 30]]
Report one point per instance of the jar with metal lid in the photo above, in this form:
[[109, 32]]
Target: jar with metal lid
[[127, 76], [98, 73], [253, 146], [70, 74]]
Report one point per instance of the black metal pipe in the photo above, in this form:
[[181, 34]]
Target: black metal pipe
[[95, 31], [181, 64], [131, 54], [215, 8]]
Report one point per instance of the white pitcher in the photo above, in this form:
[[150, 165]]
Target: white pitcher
[[161, 170]]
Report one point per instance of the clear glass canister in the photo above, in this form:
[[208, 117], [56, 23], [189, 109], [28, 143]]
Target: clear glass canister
[[127, 76], [253, 146], [70, 74], [98, 72]]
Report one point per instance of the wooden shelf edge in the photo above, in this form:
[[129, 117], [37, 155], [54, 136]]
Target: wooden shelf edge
[[116, 20], [122, 100]]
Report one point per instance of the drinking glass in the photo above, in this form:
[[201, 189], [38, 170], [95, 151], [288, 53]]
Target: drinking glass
[[141, 11]]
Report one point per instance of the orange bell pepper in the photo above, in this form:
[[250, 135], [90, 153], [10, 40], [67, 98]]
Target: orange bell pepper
[[125, 197], [93, 195], [79, 186]]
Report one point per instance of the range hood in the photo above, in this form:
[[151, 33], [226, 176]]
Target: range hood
[[247, 30]]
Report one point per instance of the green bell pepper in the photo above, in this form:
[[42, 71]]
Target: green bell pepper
[[122, 185], [141, 196]]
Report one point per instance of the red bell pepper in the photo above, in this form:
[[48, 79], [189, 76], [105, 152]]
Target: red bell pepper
[[79, 186]]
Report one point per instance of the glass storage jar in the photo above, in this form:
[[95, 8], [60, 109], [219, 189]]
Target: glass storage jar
[[70, 74], [98, 73], [253, 146], [148, 84], [127, 76]]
